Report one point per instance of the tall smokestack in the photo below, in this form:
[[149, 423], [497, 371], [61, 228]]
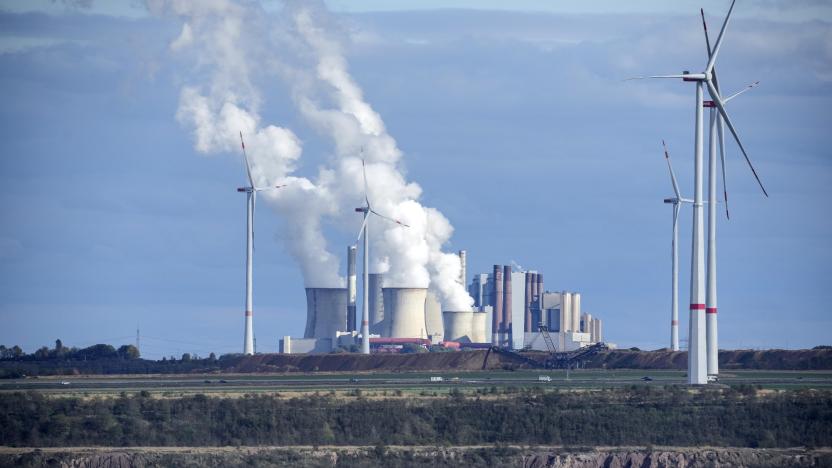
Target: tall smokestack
[[463, 258], [527, 327], [507, 305], [576, 312], [540, 290], [351, 282], [497, 319]]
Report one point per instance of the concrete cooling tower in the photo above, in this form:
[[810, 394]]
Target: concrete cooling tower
[[479, 320], [375, 303], [458, 325], [326, 312], [404, 310], [433, 317]]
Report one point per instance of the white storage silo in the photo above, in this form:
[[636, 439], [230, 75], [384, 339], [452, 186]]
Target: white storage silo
[[576, 312]]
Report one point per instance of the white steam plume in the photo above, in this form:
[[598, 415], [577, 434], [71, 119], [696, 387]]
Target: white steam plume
[[301, 48]]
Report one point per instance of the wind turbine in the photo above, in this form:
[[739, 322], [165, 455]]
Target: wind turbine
[[676, 202], [716, 129], [697, 358], [367, 209], [251, 198]]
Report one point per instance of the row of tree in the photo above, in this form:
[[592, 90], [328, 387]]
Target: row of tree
[[641, 415], [61, 352]]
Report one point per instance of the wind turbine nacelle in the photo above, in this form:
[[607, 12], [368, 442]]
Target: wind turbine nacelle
[[671, 200], [243, 189], [708, 103], [687, 72], [361, 210]]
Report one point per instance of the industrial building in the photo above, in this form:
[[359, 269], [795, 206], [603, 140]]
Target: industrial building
[[509, 309], [519, 304]]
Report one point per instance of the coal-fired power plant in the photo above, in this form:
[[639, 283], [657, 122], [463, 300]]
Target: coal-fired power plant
[[511, 309], [404, 310], [325, 312]]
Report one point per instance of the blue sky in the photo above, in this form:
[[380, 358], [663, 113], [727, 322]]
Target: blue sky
[[515, 123]]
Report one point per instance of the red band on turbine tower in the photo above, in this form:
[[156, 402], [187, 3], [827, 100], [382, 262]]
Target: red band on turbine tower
[[249, 313], [710, 310], [674, 322], [697, 307]]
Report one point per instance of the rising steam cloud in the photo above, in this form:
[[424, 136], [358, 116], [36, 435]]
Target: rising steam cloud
[[301, 46]]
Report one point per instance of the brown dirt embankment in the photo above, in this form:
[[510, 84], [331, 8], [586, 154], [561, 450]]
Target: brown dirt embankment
[[807, 359]]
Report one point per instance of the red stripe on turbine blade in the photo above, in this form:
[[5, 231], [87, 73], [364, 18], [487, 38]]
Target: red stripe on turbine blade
[[710, 310], [697, 307]]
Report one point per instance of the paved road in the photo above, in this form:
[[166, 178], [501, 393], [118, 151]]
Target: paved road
[[302, 382]]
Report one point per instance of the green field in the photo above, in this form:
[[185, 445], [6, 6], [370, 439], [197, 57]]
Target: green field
[[409, 381]]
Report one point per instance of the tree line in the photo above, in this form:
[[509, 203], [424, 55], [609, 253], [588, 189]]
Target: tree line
[[638, 415]]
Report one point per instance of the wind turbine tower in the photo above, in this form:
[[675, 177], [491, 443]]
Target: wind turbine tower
[[251, 198], [367, 210], [697, 354]]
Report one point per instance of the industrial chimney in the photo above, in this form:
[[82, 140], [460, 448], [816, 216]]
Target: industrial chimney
[[497, 318], [463, 258], [507, 322]]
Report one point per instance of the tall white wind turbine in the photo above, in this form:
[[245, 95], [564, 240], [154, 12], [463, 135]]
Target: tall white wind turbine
[[674, 301], [697, 357], [251, 198], [367, 209], [716, 130]]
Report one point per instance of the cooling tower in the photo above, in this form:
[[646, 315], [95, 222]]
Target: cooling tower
[[479, 320], [405, 312], [576, 312], [458, 325], [433, 317], [497, 303], [375, 304], [351, 281], [326, 312]]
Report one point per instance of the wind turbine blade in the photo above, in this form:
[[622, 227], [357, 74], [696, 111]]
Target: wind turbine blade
[[361, 231], [752, 85], [364, 170], [389, 218], [266, 189], [672, 174], [718, 102], [708, 46], [656, 76], [719, 38], [245, 156], [721, 132], [705, 27]]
